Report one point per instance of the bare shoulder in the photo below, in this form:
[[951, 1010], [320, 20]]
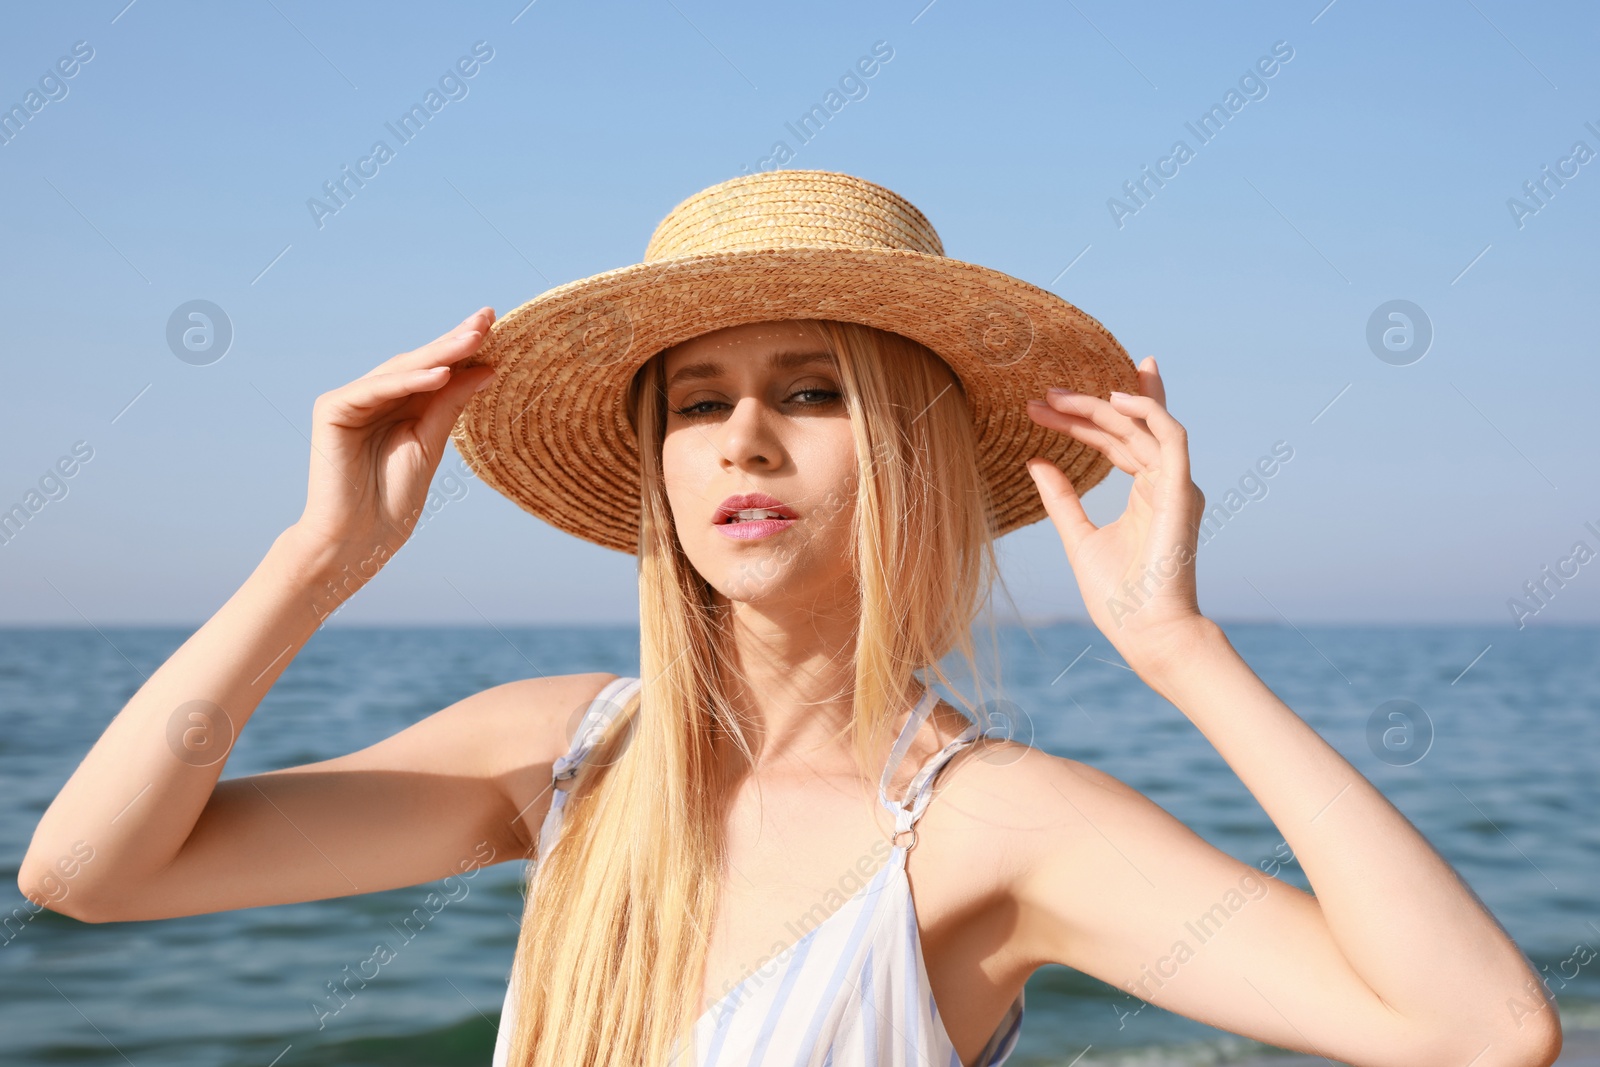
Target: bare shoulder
[[1013, 791], [991, 799], [495, 731], [522, 728], [530, 721], [1087, 859], [1018, 811], [1002, 812]]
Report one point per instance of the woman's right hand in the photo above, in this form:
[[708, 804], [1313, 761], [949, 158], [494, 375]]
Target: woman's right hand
[[376, 442]]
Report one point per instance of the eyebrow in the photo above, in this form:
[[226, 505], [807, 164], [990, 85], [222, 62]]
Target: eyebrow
[[694, 372]]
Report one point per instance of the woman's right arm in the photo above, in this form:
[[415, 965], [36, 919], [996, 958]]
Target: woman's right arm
[[164, 837], [144, 829]]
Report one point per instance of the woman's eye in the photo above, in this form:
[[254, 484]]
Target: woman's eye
[[704, 408], [692, 411]]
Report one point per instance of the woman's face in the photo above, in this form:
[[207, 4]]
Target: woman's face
[[759, 410]]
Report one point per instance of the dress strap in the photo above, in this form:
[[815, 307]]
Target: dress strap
[[909, 809], [597, 718]]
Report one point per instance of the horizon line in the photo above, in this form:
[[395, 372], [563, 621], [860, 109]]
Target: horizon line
[[1011, 622]]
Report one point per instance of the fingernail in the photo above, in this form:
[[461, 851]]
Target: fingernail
[[481, 386], [1056, 390], [1120, 395]]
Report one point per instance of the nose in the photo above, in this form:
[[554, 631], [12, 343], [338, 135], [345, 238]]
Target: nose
[[749, 441]]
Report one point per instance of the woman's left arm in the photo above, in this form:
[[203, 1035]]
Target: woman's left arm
[[1402, 920]]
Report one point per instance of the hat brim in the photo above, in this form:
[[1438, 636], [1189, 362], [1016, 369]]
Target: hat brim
[[552, 433]]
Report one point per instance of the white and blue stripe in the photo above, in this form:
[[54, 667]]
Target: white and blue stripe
[[852, 992]]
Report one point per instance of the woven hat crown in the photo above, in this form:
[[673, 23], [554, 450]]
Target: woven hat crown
[[792, 209]]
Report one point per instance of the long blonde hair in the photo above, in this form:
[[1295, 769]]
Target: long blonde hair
[[618, 917]]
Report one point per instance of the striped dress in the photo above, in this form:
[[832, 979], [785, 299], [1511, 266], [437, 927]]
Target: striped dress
[[853, 991]]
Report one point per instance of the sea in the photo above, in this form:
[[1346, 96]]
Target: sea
[[1486, 737]]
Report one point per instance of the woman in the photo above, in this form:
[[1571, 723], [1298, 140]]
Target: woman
[[807, 423]]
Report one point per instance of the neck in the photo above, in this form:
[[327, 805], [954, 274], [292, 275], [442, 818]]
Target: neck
[[791, 678]]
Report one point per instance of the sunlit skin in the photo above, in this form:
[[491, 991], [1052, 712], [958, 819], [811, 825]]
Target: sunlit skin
[[1024, 858], [754, 427]]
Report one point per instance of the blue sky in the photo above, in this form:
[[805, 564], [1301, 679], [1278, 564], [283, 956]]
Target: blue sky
[[1374, 165]]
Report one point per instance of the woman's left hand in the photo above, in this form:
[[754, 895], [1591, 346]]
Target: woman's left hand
[[1136, 573]]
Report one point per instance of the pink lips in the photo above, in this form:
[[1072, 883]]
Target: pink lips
[[757, 528]]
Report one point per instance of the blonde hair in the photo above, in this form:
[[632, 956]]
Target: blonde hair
[[618, 917]]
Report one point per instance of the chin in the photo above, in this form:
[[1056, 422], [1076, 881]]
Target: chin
[[777, 579], [748, 574], [752, 583]]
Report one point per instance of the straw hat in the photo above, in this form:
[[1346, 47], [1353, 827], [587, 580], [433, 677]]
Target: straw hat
[[552, 432]]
